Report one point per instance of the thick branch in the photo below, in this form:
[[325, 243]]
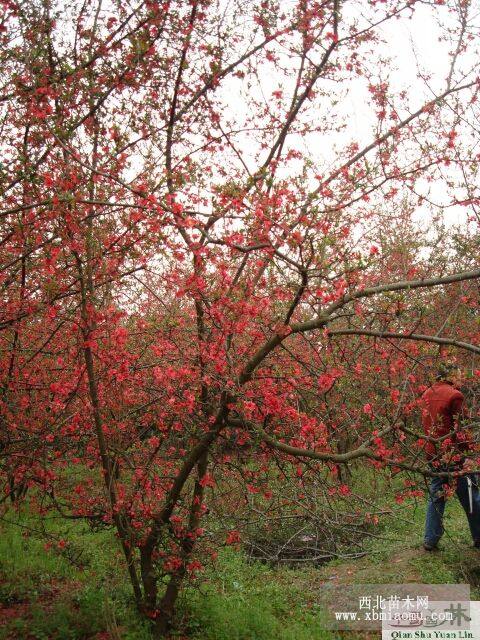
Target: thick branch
[[323, 456], [405, 336], [403, 285]]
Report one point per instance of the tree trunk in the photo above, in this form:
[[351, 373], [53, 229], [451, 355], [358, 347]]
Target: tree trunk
[[166, 607]]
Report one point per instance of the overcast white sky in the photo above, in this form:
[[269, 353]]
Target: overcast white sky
[[413, 45]]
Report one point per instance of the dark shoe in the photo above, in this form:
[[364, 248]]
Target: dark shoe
[[430, 546]]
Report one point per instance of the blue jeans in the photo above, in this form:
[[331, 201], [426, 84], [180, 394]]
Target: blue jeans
[[436, 507]]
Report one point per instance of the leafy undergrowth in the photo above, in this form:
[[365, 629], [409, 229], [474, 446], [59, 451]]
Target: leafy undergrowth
[[77, 589]]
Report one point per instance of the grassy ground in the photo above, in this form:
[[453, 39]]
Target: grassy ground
[[79, 590]]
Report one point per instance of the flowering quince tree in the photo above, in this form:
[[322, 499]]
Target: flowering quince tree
[[198, 255]]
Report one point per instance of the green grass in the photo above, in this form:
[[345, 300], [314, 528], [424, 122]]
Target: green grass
[[74, 593], [81, 591], [66, 593], [245, 601]]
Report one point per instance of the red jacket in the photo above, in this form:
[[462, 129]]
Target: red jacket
[[441, 402]]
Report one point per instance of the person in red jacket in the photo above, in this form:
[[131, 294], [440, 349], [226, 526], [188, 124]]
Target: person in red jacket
[[446, 445]]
